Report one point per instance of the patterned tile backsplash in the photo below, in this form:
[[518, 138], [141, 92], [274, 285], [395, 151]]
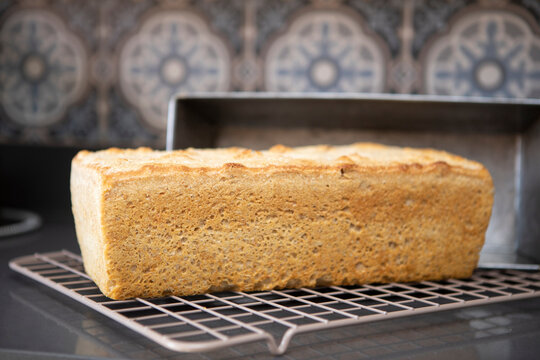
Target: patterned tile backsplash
[[99, 73]]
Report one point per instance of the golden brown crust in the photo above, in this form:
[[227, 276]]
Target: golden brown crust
[[193, 221]]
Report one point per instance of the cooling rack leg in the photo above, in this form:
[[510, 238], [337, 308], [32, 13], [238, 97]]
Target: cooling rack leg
[[284, 342], [272, 346]]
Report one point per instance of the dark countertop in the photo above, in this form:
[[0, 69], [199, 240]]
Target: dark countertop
[[36, 321]]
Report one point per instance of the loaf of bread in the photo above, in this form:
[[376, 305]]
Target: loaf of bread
[[153, 223]]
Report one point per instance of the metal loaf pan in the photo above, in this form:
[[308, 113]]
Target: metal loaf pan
[[503, 134]]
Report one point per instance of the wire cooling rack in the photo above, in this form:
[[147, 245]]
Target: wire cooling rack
[[212, 321]]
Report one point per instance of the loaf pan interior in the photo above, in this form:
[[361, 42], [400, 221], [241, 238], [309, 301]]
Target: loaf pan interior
[[503, 134]]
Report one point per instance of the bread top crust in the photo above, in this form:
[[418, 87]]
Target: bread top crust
[[356, 157]]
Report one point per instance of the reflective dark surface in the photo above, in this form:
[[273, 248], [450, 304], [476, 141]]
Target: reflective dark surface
[[35, 321]]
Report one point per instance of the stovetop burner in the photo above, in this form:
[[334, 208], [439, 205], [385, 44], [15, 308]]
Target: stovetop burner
[[17, 222]]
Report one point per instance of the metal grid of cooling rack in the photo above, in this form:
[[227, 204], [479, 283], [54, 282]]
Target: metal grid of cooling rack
[[212, 321]]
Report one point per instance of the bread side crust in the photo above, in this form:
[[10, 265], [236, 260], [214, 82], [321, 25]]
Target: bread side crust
[[173, 229], [86, 185]]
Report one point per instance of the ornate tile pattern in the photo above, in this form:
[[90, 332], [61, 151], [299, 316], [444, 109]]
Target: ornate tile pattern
[[324, 51], [98, 74], [384, 17], [43, 67], [430, 18], [486, 53], [173, 52]]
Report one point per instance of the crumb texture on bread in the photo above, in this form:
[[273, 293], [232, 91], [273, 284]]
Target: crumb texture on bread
[[153, 223]]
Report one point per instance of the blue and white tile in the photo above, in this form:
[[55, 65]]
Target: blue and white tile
[[272, 17], [382, 17], [125, 128], [79, 126], [430, 18], [119, 18], [489, 53], [225, 18], [100, 74], [174, 51], [43, 68], [325, 51], [81, 18]]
